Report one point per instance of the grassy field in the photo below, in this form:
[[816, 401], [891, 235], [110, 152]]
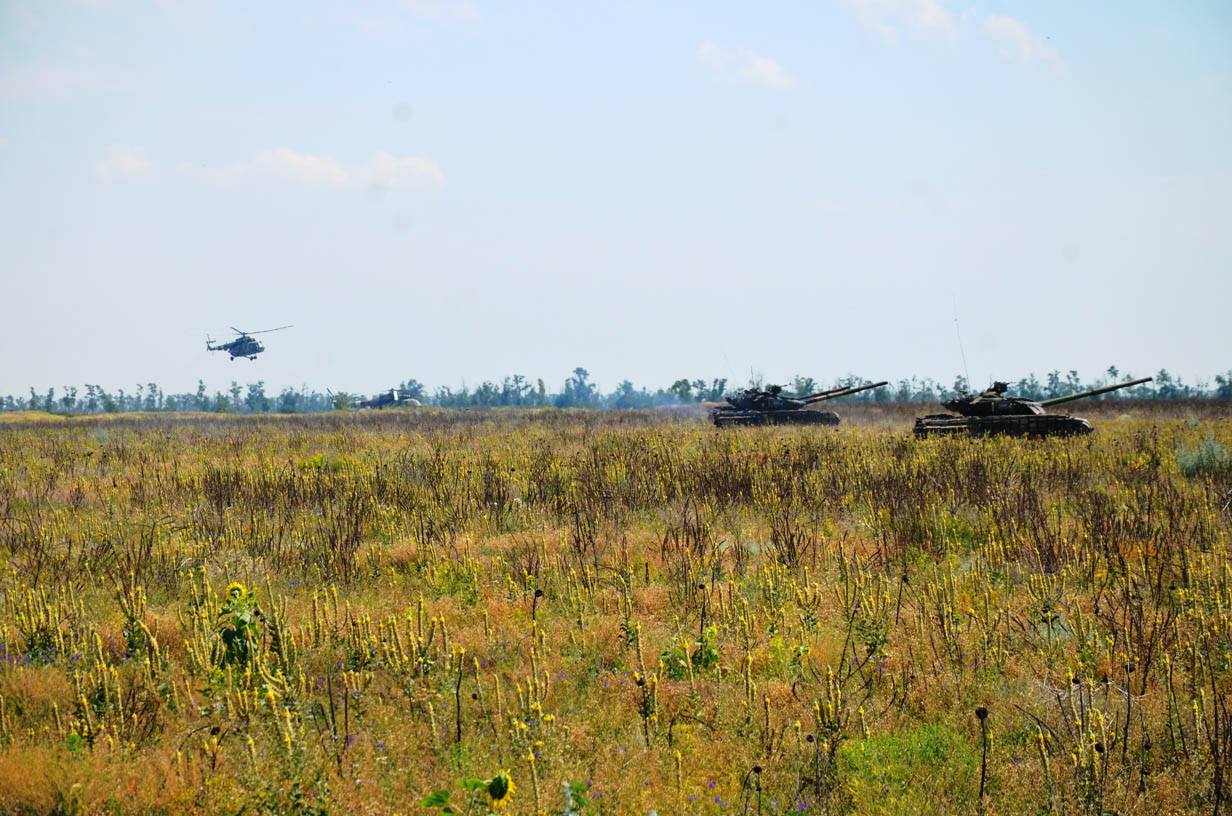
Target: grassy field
[[618, 613]]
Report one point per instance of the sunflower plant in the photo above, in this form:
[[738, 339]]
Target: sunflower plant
[[239, 626], [489, 795]]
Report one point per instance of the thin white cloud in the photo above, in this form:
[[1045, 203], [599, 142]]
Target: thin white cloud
[[303, 168], [744, 65], [386, 172], [1016, 39], [382, 171], [888, 18], [49, 80], [459, 11], [123, 163]]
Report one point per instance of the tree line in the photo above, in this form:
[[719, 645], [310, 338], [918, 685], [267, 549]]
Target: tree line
[[577, 391]]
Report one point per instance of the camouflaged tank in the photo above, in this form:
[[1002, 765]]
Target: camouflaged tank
[[991, 412], [755, 406]]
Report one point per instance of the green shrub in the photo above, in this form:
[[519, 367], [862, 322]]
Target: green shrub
[[1206, 460], [915, 771]]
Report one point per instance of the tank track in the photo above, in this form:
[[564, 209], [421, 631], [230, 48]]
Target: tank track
[[727, 418], [1036, 425]]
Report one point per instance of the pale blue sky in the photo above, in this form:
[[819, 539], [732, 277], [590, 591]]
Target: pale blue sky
[[455, 190]]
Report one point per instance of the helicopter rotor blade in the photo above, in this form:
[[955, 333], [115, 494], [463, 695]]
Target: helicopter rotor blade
[[267, 331]]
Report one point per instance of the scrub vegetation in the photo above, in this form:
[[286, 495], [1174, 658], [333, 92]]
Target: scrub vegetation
[[613, 612]]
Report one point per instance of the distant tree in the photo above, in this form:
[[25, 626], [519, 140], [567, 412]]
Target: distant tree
[[256, 401], [682, 389], [1055, 388], [289, 401], [414, 389], [803, 385], [514, 390], [1030, 387], [718, 387], [487, 393], [1164, 387], [1223, 386], [579, 392], [1073, 382], [627, 395], [68, 402]]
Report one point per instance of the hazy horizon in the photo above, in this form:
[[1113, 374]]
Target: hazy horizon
[[456, 191]]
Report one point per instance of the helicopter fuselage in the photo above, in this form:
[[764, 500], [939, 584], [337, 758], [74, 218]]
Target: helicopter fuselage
[[244, 344], [248, 347]]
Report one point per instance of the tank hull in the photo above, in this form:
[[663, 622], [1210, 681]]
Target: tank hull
[[732, 417], [1035, 425]]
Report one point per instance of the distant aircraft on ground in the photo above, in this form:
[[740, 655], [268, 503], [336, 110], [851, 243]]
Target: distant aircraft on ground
[[393, 396]]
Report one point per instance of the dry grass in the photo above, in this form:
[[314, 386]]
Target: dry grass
[[760, 621]]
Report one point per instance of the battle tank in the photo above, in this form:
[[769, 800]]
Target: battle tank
[[991, 412], [755, 406]]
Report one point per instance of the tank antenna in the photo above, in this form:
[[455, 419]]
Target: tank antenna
[[958, 334]]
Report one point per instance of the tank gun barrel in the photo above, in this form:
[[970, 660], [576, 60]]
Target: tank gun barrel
[[827, 392], [842, 392], [1095, 391]]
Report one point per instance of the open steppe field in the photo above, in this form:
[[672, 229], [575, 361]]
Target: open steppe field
[[626, 612]]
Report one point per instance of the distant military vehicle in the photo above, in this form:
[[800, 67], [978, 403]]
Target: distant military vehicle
[[755, 406], [392, 397], [991, 412], [245, 345]]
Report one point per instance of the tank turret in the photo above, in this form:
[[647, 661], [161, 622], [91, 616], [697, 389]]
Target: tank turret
[[993, 412]]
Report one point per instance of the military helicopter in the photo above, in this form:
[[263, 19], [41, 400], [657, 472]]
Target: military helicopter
[[394, 396], [243, 346]]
